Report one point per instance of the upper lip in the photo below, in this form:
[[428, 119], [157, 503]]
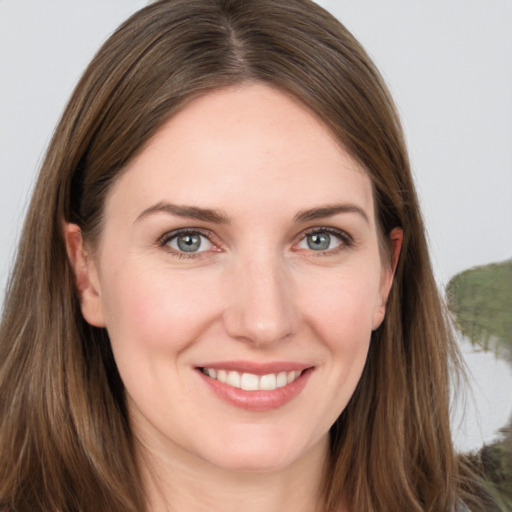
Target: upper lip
[[257, 368]]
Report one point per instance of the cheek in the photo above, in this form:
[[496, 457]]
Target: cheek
[[149, 310], [340, 314], [343, 307]]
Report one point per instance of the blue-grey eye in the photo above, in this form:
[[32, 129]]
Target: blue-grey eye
[[190, 242], [320, 241]]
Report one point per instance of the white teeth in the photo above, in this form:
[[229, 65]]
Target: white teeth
[[251, 382], [282, 379], [268, 382], [233, 379]]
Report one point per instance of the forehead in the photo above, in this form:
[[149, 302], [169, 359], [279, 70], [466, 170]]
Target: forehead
[[249, 145]]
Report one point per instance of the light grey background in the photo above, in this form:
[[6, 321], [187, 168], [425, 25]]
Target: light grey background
[[448, 64]]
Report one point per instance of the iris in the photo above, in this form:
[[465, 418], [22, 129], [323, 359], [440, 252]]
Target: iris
[[319, 241], [189, 243]]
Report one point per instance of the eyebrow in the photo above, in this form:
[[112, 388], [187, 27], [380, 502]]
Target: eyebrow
[[186, 212], [219, 217], [328, 211]]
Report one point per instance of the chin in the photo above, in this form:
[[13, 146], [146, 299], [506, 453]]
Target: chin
[[243, 463], [262, 456]]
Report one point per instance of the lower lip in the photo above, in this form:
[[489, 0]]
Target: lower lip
[[258, 401]]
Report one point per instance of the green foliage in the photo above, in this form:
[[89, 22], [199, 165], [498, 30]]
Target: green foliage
[[481, 300]]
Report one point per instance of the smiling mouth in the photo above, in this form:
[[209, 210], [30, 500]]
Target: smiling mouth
[[252, 382]]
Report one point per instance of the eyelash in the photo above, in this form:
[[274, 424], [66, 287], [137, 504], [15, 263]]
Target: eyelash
[[346, 241]]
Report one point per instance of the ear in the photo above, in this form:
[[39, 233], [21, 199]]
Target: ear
[[388, 272], [86, 275]]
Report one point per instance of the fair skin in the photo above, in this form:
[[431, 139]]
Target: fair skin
[[274, 284]]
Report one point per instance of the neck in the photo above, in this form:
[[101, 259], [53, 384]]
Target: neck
[[178, 481]]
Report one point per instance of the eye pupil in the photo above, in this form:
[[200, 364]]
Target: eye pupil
[[319, 241], [189, 243]]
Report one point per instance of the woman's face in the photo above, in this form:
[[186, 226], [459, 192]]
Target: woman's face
[[239, 277]]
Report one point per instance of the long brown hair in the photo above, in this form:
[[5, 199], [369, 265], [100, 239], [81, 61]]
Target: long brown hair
[[65, 440]]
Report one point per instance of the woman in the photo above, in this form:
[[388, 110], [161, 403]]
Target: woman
[[222, 296]]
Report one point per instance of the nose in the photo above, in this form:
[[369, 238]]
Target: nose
[[261, 303]]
